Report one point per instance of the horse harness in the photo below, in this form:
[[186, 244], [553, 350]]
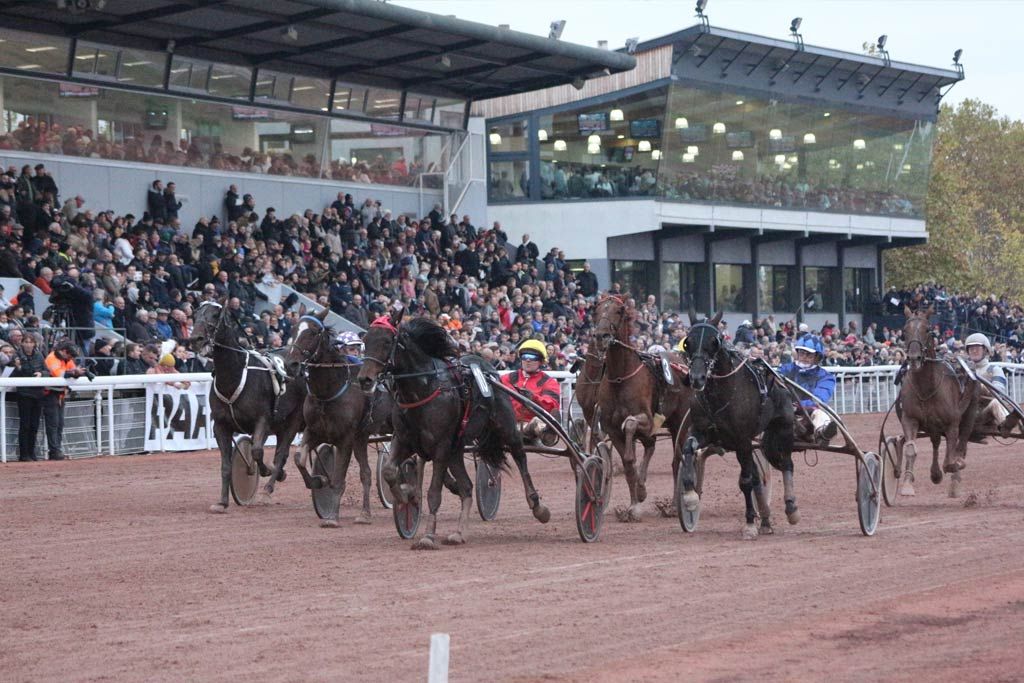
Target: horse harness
[[308, 363], [762, 383]]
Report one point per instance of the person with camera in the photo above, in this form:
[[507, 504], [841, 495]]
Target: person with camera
[[73, 307], [60, 363], [28, 362]]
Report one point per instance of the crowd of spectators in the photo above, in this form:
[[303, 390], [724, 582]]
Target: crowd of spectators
[[200, 152]]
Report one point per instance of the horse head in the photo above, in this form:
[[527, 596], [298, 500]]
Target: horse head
[[381, 342], [207, 320], [702, 344], [917, 336], [611, 321], [311, 340]]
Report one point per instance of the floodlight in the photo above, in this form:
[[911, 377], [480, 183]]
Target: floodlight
[[556, 29], [794, 26], [956, 56], [631, 44], [579, 82], [701, 5], [882, 40]]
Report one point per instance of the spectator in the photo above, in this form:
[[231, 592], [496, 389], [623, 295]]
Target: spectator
[[155, 202], [133, 363], [171, 202], [59, 363], [103, 363], [29, 362]]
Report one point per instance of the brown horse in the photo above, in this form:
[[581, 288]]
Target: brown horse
[[937, 400], [631, 396]]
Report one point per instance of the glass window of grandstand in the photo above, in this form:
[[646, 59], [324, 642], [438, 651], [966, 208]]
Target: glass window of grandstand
[[819, 290], [509, 180], [607, 150], [777, 289], [730, 288], [741, 149], [637, 278], [858, 285], [507, 137], [384, 153], [33, 53], [680, 283]]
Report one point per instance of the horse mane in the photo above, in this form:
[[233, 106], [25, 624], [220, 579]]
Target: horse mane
[[430, 338]]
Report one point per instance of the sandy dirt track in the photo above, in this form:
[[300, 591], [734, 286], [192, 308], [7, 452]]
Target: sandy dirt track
[[113, 570]]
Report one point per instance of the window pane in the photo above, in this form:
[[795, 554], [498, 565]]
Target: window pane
[[95, 60], [819, 290], [383, 153], [635, 278], [230, 81], [730, 292], [450, 113], [139, 67], [34, 53], [509, 180], [419, 108], [671, 286], [349, 98], [383, 103], [310, 93], [858, 284], [507, 137], [187, 74], [273, 85]]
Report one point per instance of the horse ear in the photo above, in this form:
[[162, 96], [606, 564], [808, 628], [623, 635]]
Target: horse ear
[[322, 315], [717, 319], [693, 316], [907, 312], [396, 316], [930, 311]]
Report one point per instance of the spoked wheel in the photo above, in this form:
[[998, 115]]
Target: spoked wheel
[[869, 492], [383, 490], [488, 490], [764, 472], [687, 518], [245, 475], [604, 450], [891, 465], [407, 515], [326, 498], [590, 498]]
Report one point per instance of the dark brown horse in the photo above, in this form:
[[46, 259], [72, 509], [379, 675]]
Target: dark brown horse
[[937, 400], [336, 410], [632, 398], [439, 412]]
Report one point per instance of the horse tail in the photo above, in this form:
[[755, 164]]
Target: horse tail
[[490, 450], [776, 444]]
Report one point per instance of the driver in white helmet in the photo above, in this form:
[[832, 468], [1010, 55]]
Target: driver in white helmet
[[990, 411]]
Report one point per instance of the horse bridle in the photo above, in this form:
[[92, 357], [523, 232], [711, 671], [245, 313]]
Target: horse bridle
[[709, 363], [309, 360]]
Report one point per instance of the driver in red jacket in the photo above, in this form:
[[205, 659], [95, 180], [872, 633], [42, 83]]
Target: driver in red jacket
[[538, 386]]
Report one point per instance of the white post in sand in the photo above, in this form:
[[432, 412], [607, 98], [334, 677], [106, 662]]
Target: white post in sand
[[439, 643]]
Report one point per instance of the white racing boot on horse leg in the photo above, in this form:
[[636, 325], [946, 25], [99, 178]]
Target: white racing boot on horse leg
[[907, 483]]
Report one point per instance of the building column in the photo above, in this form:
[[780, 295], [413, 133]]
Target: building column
[[710, 275], [841, 265], [755, 264], [799, 249]]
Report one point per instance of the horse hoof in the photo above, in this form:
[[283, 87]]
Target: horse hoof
[[281, 475], [218, 508], [426, 543], [263, 498], [793, 517], [328, 524], [363, 518], [541, 513], [955, 490], [666, 508], [691, 500], [264, 470], [936, 475], [455, 539], [907, 488], [766, 529], [750, 532], [641, 493], [629, 514]]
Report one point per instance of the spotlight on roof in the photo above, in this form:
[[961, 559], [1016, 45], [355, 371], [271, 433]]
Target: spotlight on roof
[[882, 40], [631, 44], [445, 61], [956, 55], [699, 9], [556, 29], [794, 25], [290, 33], [579, 82]]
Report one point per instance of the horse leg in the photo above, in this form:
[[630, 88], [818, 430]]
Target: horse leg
[[399, 453], [953, 462], [365, 478], [440, 466], [641, 484], [342, 458], [284, 442], [936, 471], [630, 426], [259, 437], [222, 432], [540, 511], [748, 482], [909, 455], [465, 492], [690, 497]]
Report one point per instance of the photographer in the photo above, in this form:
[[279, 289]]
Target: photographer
[[29, 363], [70, 297], [60, 363]]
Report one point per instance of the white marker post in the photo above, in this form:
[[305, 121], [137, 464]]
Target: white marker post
[[439, 643]]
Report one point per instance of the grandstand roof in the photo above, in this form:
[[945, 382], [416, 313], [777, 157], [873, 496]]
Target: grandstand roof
[[364, 42]]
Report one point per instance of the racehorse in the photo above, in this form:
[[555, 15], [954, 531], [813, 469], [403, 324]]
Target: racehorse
[[440, 411], [934, 399], [336, 412], [630, 396], [243, 388], [733, 402]]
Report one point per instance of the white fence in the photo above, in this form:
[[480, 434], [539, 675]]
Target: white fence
[[135, 414]]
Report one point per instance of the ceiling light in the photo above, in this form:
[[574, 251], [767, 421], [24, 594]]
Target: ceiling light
[[682, 123], [354, 160], [792, 159], [907, 167], [560, 145], [787, 166], [139, 63], [593, 149], [775, 134], [898, 147], [656, 154], [859, 144], [737, 155], [693, 149], [594, 139], [495, 138], [302, 87], [221, 77], [542, 135], [833, 163], [780, 159], [445, 61], [91, 55], [28, 66], [620, 136], [579, 82], [290, 33], [718, 128], [739, 103], [44, 48], [688, 158], [616, 115], [126, 80], [810, 139], [827, 114], [323, 109], [644, 146]]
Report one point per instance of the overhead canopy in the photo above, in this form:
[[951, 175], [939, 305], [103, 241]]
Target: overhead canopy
[[363, 42]]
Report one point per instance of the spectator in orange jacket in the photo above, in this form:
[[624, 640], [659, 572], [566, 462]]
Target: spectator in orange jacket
[[60, 363]]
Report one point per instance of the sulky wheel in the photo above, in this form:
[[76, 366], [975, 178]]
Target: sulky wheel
[[326, 498], [891, 466], [407, 515], [383, 490], [590, 498], [687, 518], [604, 451], [488, 490], [245, 476], [869, 492]]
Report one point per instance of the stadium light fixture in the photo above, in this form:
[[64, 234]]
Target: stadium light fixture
[[718, 128], [699, 9], [631, 44], [542, 135], [682, 123], [644, 146], [556, 29], [957, 55], [616, 115], [794, 30], [882, 40]]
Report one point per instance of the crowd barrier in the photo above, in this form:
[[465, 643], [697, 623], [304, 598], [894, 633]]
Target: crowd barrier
[[144, 413]]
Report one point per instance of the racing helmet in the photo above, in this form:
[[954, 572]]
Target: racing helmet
[[978, 339], [349, 339], [534, 347], [811, 344]]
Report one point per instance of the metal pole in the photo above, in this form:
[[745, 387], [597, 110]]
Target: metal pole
[[110, 419], [158, 398], [98, 397], [3, 424]]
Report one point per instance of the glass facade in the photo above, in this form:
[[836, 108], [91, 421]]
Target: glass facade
[[858, 285], [700, 145], [638, 278], [777, 289], [682, 286], [731, 292], [820, 289]]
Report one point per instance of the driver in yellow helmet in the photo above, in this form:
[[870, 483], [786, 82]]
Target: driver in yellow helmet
[[536, 385]]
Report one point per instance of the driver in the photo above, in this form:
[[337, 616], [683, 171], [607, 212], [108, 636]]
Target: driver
[[536, 385], [806, 371], [352, 346], [990, 410]]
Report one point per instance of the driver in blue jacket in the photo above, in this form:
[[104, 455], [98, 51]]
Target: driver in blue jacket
[[806, 371], [352, 346]]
